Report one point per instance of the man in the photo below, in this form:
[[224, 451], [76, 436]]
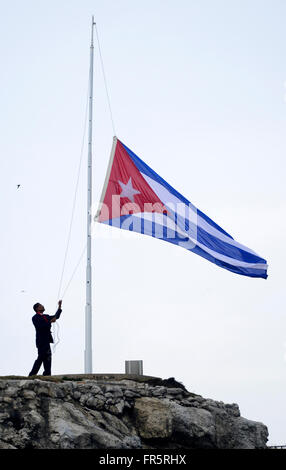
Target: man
[[43, 324]]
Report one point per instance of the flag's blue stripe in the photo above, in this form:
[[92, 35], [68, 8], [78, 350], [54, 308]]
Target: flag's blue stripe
[[204, 237], [215, 244], [143, 168], [135, 224], [223, 248], [250, 272]]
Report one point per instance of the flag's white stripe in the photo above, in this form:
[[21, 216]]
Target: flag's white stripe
[[160, 220], [104, 189], [167, 197]]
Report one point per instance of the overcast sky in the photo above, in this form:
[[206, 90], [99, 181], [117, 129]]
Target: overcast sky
[[197, 90]]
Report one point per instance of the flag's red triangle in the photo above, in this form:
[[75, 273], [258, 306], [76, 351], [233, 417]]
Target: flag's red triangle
[[127, 190]]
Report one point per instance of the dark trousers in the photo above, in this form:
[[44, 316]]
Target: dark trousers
[[45, 357]]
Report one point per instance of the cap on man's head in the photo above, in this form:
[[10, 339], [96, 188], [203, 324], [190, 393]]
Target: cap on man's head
[[36, 306]]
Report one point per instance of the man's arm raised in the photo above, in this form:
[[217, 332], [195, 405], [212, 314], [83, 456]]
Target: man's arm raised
[[58, 312]]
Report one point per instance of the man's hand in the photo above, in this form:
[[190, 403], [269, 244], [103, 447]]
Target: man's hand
[[60, 303]]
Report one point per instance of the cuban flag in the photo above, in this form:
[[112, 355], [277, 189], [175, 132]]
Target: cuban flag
[[136, 198]]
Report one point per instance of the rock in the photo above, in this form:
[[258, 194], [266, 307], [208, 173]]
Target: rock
[[249, 434], [5, 445], [174, 391], [116, 408], [76, 395], [95, 390], [7, 399], [193, 427], [114, 390], [153, 420], [232, 410], [28, 394], [159, 392], [74, 429], [104, 413], [131, 394], [11, 391]]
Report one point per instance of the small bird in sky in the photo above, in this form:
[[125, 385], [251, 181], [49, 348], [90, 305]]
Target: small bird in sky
[[18, 186]]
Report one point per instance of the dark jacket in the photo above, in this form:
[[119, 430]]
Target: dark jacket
[[42, 323]]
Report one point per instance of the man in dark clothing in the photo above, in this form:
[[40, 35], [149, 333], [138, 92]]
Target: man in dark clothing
[[43, 324]]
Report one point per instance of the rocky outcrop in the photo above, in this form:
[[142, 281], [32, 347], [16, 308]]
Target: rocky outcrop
[[118, 412]]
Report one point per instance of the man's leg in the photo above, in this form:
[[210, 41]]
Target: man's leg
[[47, 359], [37, 363]]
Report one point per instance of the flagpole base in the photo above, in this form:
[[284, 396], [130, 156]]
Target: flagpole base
[[88, 362]]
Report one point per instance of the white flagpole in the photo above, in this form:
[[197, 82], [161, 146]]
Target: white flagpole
[[88, 307]]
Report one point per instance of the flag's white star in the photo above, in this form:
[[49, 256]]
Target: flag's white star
[[128, 190]]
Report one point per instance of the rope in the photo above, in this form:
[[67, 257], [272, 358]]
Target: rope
[[56, 326], [56, 336], [80, 164], [55, 333], [105, 81], [74, 271], [74, 199]]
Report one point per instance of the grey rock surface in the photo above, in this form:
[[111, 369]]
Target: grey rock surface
[[118, 412]]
